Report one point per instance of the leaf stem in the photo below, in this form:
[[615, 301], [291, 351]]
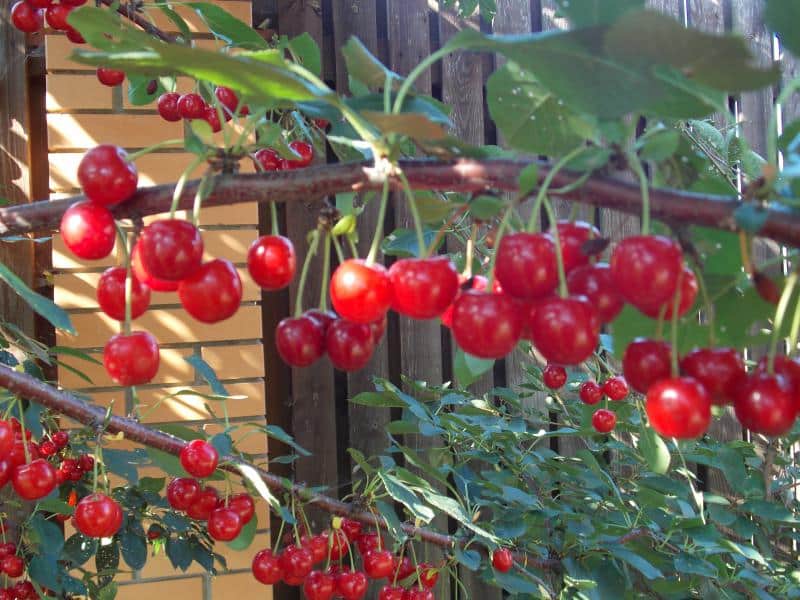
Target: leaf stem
[[301, 286], [780, 313], [534, 220], [378, 235]]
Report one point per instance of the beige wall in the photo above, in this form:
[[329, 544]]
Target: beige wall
[[80, 114]]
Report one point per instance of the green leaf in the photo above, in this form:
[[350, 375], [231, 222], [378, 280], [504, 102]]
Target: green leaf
[[451, 507], [108, 592], [168, 463], [635, 561], [414, 125], [176, 19], [179, 552], [654, 450], [379, 399], [74, 352], [251, 474], [227, 27], [56, 505], [305, 51], [246, 536], [517, 585], [405, 496], [276, 432], [782, 17], [433, 207], [46, 536], [137, 89], [365, 67], [41, 305], [152, 484], [529, 179], [659, 144], [471, 559], [133, 545], [771, 511], [530, 117], [485, 207], [583, 13], [403, 242], [223, 443], [468, 369], [751, 217], [78, 549]]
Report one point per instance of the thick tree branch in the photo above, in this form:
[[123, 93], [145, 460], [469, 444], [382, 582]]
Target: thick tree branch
[[463, 175]]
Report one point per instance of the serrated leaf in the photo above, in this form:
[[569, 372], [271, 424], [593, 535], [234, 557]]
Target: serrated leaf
[[179, 552], [45, 307], [405, 496]]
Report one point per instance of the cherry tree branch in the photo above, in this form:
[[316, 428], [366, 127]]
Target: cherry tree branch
[[129, 11], [463, 175]]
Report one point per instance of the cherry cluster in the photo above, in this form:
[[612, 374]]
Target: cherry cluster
[[29, 16], [174, 107]]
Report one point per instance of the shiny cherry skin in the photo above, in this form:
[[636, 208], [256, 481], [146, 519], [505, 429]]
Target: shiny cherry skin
[[211, 116], [228, 98], [268, 159], [487, 325], [404, 568], [590, 392], [646, 269], [339, 544], [416, 593], [300, 340], [351, 528], [192, 106], [143, 275], [502, 560], [565, 330], [678, 407], [183, 492], [361, 293], [422, 288], [244, 506], [304, 150], [88, 230], [6, 438], [13, 566], [34, 480], [131, 359], [206, 503], [61, 439], [323, 317], [17, 455], [295, 561], [7, 549], [595, 282], [688, 287], [271, 262], [98, 516], [616, 388], [171, 249], [368, 542], [167, 105], [427, 575], [764, 404], [74, 36], [645, 362], [111, 294], [7, 469], [352, 585], [107, 176], [391, 592], [56, 16], [110, 77], [317, 545], [476, 283], [224, 524], [554, 376], [525, 265], [265, 568], [572, 236], [788, 368], [349, 345], [26, 18], [378, 564], [319, 586], [199, 458], [719, 370], [213, 292], [378, 329], [604, 420]]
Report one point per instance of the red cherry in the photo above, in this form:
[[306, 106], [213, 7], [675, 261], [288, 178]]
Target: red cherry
[[88, 230], [192, 106], [86, 462], [268, 159], [645, 362], [319, 586], [477, 283], [56, 16], [645, 269], [378, 328], [486, 325], [6, 438], [595, 282], [34, 480], [554, 376], [199, 458], [265, 568], [349, 345], [719, 370], [171, 249], [47, 448], [378, 564], [131, 359], [616, 388], [604, 420], [502, 560], [74, 36], [590, 392], [213, 293], [565, 330], [6, 469], [154, 283], [295, 561], [323, 317], [368, 542], [416, 593], [573, 236], [106, 176], [7, 549], [304, 150], [24, 590], [679, 407], [271, 262], [211, 116], [110, 77], [351, 528], [352, 585], [525, 265], [300, 341], [764, 404], [391, 592], [111, 294], [788, 368], [360, 292], [427, 575], [167, 105], [317, 545], [224, 524], [98, 516], [403, 568], [422, 288], [12, 566], [340, 545], [244, 505], [228, 98], [206, 502], [685, 302], [61, 439], [183, 492], [26, 18]]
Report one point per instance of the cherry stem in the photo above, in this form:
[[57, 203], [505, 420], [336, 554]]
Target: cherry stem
[[181, 183], [352, 245], [534, 221], [443, 229], [744, 249], [562, 274], [780, 313], [338, 248], [416, 564], [795, 330], [301, 286], [139, 153], [25, 448], [326, 272], [273, 215], [94, 465], [399, 564], [423, 249], [644, 186], [126, 326], [378, 235], [469, 252], [708, 305], [497, 237], [277, 541], [676, 302], [203, 190]]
